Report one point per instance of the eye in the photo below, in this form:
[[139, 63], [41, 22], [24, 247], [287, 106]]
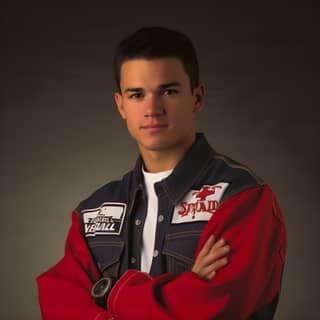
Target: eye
[[137, 95], [168, 92]]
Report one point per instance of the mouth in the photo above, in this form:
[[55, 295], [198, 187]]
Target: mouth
[[154, 127]]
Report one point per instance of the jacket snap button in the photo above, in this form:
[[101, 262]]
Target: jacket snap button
[[160, 218], [155, 253], [137, 222], [133, 260]]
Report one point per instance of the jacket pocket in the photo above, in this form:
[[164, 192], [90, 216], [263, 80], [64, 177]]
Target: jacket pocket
[[107, 255], [179, 249]]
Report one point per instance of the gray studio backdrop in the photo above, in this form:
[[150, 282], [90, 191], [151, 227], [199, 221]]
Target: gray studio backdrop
[[61, 136]]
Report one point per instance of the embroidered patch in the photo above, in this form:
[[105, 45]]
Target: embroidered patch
[[105, 220], [199, 205]]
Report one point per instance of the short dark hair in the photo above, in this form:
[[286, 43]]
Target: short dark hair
[[157, 42]]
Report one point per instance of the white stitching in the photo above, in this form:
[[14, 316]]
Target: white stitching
[[117, 294], [122, 285], [100, 314], [97, 316]]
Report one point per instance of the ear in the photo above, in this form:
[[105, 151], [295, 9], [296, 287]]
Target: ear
[[119, 102], [198, 94]]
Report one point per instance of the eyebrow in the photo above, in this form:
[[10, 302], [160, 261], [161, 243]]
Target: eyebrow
[[169, 84], [161, 86]]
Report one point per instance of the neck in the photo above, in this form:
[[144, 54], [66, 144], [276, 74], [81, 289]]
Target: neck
[[162, 160]]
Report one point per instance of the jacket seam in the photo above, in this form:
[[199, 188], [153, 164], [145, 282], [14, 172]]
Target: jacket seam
[[240, 166], [118, 291]]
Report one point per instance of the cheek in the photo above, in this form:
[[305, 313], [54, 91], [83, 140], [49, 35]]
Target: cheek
[[181, 111], [132, 127], [133, 119]]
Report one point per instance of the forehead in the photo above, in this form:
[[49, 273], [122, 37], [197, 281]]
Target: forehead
[[151, 73]]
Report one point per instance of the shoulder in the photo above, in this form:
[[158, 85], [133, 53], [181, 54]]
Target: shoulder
[[238, 176], [116, 191]]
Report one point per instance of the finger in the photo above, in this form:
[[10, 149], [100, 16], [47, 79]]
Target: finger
[[218, 244], [220, 263], [200, 261], [214, 255], [207, 246], [218, 253], [204, 261], [210, 275], [214, 267]]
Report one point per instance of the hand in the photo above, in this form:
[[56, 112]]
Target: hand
[[211, 258]]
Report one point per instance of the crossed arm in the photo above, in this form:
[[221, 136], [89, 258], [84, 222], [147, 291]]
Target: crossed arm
[[253, 226], [211, 258]]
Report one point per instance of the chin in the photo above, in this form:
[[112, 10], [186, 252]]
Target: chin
[[156, 145]]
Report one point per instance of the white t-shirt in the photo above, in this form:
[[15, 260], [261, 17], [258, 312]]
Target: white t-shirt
[[149, 229]]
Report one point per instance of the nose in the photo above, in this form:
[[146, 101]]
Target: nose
[[154, 106]]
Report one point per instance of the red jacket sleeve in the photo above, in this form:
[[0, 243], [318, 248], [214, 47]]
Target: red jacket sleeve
[[65, 289], [252, 223]]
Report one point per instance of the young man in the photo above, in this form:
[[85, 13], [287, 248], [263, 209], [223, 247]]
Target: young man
[[188, 233]]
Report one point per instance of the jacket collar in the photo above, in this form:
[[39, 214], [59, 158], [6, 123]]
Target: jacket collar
[[187, 172]]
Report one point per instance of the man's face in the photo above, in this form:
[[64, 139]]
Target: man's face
[[157, 103]]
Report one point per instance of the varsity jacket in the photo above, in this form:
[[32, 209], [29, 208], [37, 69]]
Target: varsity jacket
[[207, 193]]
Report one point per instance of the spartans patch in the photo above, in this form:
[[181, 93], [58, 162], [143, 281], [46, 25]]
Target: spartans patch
[[199, 205], [104, 220]]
